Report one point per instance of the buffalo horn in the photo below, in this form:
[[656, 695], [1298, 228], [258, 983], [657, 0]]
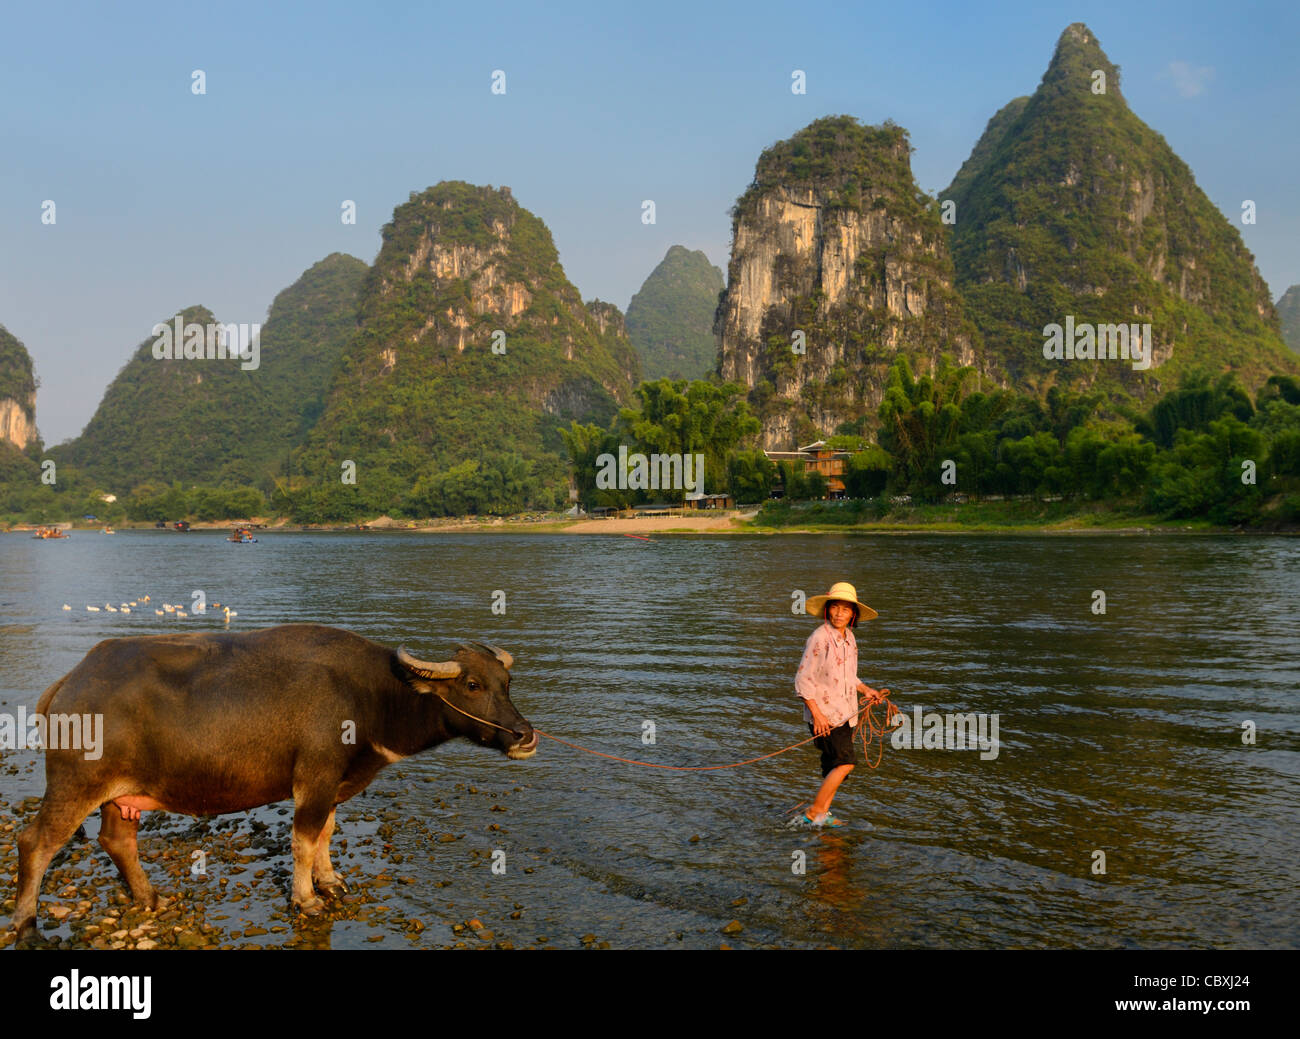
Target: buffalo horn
[[425, 668], [505, 658]]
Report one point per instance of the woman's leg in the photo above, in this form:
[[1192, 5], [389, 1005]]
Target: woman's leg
[[822, 802]]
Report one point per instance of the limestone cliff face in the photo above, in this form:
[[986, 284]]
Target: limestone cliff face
[[471, 263], [16, 421], [17, 392], [490, 291], [609, 319], [834, 240]]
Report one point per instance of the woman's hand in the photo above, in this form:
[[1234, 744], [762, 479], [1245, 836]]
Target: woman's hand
[[872, 696], [821, 726]]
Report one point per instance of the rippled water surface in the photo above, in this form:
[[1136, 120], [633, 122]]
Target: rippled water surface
[[1119, 733]]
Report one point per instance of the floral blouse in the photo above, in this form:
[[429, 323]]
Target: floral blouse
[[828, 673]]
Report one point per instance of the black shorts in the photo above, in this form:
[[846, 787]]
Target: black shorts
[[837, 748]]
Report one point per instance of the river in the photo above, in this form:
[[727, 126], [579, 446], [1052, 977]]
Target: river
[[1141, 791]]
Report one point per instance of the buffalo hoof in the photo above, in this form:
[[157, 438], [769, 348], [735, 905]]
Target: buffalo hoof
[[313, 907], [30, 936], [336, 890], [155, 903]]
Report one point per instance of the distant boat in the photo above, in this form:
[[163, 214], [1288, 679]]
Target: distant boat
[[182, 525], [49, 534], [242, 536], [109, 530]]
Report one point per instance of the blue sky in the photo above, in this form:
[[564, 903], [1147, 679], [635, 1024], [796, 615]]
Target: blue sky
[[166, 198]]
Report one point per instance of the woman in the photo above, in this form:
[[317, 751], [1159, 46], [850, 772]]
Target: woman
[[827, 681]]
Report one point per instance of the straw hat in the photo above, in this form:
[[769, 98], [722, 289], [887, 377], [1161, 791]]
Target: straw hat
[[841, 591]]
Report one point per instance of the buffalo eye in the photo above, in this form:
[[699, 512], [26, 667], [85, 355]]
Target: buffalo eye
[[473, 686]]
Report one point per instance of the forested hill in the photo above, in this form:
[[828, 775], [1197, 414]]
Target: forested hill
[[1070, 205], [213, 421], [473, 351], [670, 320]]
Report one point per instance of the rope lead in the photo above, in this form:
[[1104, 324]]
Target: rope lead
[[873, 732]]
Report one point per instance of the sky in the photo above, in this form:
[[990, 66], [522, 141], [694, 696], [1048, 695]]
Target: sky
[[166, 198]]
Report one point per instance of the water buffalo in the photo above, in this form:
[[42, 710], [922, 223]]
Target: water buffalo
[[204, 724]]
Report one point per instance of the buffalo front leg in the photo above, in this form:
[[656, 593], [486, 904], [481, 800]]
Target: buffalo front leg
[[37, 845], [322, 869], [118, 837]]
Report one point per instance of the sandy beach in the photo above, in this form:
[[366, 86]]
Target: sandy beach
[[653, 524]]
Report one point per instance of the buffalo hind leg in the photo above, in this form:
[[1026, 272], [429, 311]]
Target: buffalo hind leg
[[327, 881], [309, 819], [117, 835], [37, 846]]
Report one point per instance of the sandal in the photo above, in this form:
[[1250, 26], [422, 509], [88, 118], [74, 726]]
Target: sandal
[[829, 820]]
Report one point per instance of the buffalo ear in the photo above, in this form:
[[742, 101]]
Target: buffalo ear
[[426, 668]]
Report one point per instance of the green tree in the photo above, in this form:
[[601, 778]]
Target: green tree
[[919, 422], [817, 485], [866, 473], [1202, 475], [1284, 454], [1195, 404], [1108, 460], [751, 476], [585, 444], [976, 458], [676, 417], [1285, 386], [794, 482], [1035, 464]]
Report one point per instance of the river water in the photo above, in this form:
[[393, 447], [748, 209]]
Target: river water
[[1141, 791]]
